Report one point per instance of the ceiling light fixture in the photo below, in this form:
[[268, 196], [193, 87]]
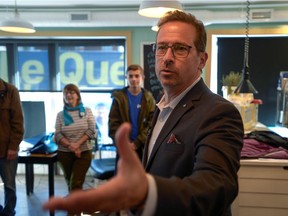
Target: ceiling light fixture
[[156, 9], [16, 25], [245, 85]]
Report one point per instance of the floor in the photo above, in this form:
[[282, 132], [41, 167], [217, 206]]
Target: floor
[[32, 205]]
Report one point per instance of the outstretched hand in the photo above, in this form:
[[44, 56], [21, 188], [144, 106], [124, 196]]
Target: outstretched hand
[[126, 190]]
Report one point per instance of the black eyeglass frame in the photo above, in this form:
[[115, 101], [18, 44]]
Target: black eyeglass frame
[[188, 47]]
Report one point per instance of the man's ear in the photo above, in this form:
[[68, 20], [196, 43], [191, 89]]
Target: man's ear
[[203, 60]]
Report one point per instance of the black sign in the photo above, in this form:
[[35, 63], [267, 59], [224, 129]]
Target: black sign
[[151, 82]]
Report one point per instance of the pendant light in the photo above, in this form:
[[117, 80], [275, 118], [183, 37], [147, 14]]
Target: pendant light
[[245, 85], [156, 9], [16, 25]]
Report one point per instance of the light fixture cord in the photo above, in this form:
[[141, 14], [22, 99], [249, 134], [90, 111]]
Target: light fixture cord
[[245, 86], [246, 46]]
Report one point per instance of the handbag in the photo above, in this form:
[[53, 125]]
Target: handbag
[[45, 145]]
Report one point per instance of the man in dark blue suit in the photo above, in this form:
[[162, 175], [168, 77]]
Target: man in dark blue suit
[[192, 152]]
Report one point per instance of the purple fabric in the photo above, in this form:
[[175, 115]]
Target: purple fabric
[[252, 148]]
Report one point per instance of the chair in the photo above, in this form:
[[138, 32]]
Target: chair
[[104, 167]]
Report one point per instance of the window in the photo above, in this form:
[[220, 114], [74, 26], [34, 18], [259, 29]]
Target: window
[[3, 63], [33, 68], [40, 68], [48, 65], [267, 58], [92, 67]]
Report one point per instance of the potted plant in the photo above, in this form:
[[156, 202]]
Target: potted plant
[[230, 82]]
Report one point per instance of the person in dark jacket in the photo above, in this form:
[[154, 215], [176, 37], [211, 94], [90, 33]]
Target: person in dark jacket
[[133, 104], [11, 135], [192, 154]]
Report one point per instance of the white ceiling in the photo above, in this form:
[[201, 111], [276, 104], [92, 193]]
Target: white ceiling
[[111, 13], [118, 2]]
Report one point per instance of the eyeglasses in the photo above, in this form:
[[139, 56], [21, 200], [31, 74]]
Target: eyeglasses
[[178, 50], [69, 92]]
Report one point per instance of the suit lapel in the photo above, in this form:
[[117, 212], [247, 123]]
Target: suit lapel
[[168, 127], [182, 107], [154, 120]]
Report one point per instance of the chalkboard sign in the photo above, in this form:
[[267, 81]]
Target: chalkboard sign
[[151, 82]]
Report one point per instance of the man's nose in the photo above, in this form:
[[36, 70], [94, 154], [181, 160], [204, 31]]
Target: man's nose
[[169, 56], [170, 52]]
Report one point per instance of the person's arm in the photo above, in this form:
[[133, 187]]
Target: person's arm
[[151, 200], [16, 123], [114, 119], [210, 185], [60, 139], [91, 131], [210, 188], [126, 190], [149, 108]]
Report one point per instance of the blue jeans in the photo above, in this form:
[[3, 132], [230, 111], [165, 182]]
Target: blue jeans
[[8, 169]]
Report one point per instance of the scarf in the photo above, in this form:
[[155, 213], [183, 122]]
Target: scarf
[[68, 118]]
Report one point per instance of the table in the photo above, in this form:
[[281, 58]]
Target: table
[[29, 160]]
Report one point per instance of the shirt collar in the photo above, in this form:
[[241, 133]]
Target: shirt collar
[[161, 105]]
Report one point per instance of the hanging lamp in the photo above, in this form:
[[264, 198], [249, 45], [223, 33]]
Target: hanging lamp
[[245, 85], [17, 25], [156, 9]]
